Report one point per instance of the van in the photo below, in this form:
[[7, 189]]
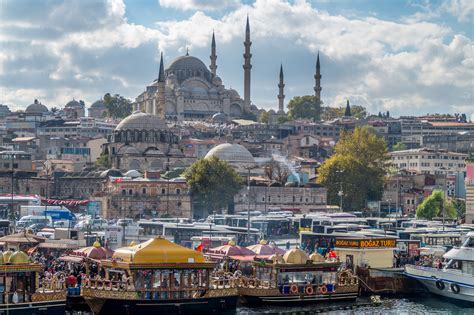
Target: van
[[28, 220]]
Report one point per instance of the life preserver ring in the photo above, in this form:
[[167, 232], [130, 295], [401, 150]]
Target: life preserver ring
[[309, 290], [324, 289], [440, 285], [294, 289], [455, 288]]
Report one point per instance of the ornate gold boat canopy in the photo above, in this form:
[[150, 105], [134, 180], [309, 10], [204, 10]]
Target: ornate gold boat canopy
[[157, 253], [12, 262]]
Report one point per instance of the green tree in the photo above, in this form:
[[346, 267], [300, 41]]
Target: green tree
[[249, 116], [399, 146], [213, 183], [460, 206], [117, 106], [264, 117], [329, 113], [306, 107], [283, 119], [103, 161], [432, 207], [358, 166]]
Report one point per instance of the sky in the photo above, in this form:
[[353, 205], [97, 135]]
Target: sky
[[405, 56]]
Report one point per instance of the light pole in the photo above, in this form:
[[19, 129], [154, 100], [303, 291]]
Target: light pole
[[340, 193], [248, 202], [12, 214], [445, 192]]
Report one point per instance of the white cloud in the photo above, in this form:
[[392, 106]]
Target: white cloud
[[205, 5], [384, 65], [461, 9]]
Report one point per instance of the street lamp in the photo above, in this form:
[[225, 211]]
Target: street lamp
[[248, 203], [445, 192], [340, 193]]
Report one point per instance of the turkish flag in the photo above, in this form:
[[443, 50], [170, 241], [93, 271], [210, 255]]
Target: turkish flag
[[199, 248]]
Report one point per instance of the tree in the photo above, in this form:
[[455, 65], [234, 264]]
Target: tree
[[347, 112], [306, 107], [213, 183], [329, 113], [54, 110], [249, 116], [283, 119], [358, 166], [460, 206], [103, 161], [399, 146], [117, 106], [264, 117], [432, 207], [275, 171]]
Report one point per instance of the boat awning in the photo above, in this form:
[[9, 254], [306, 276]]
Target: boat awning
[[242, 258], [72, 259], [459, 254], [57, 245]]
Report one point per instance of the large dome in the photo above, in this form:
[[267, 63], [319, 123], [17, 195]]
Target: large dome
[[142, 121], [36, 107], [99, 104], [73, 103], [231, 153], [188, 63]]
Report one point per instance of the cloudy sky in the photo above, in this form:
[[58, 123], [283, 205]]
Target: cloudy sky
[[409, 57]]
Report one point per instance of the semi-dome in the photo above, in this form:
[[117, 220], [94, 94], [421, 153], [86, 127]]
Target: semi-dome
[[142, 121], [36, 107], [99, 104], [231, 153], [73, 104], [296, 256], [18, 258], [110, 173]]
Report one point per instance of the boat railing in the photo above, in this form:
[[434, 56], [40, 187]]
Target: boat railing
[[145, 292], [52, 285]]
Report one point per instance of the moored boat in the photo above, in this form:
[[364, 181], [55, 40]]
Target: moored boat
[[19, 287], [158, 277], [298, 278], [456, 279]]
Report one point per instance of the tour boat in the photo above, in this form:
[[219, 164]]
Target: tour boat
[[158, 277], [296, 277], [456, 279], [19, 287]]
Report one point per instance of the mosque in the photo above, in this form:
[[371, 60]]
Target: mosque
[[188, 90]]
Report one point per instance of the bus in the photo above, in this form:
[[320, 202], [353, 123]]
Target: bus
[[18, 201]]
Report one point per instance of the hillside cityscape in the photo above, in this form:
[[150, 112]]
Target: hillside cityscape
[[336, 177]]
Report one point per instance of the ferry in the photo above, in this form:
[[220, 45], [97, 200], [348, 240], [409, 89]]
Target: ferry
[[456, 279], [296, 278], [20, 290], [158, 277]]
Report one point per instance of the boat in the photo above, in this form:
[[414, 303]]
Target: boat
[[456, 279], [297, 278], [20, 289], [158, 277]]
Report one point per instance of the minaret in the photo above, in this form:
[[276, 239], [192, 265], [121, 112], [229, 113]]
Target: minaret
[[213, 56], [317, 78], [160, 94], [281, 96], [247, 66]]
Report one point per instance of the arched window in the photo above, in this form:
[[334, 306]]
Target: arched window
[[178, 191], [130, 191], [144, 191], [124, 192]]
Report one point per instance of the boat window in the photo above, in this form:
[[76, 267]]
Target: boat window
[[469, 242]]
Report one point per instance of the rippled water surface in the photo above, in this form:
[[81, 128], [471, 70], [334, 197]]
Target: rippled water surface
[[389, 306]]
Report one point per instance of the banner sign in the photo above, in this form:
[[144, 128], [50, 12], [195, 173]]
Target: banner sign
[[369, 243]]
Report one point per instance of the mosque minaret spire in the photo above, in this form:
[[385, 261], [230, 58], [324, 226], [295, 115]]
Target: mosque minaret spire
[[317, 79], [213, 65], [281, 92], [247, 66]]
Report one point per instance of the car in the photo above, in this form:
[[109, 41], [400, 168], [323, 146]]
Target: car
[[36, 227]]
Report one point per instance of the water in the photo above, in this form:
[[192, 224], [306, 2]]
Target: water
[[416, 306]]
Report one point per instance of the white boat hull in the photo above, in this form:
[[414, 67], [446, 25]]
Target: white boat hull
[[448, 282]]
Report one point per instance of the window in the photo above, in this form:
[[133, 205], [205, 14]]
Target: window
[[124, 192], [163, 191], [130, 191], [144, 191], [178, 191]]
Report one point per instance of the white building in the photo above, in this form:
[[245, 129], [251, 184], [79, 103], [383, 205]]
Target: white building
[[429, 161]]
